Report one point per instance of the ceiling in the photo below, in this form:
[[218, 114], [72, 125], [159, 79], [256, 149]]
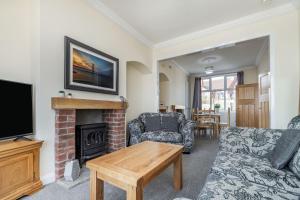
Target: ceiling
[[227, 58], [161, 20]]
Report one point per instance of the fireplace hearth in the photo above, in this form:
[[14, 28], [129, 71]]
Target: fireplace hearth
[[90, 141]]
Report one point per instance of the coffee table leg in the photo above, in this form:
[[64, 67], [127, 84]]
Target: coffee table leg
[[96, 186], [134, 193], [177, 177]]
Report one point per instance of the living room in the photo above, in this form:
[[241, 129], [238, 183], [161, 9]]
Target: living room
[[38, 37]]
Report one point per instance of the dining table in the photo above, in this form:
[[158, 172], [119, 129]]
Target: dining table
[[215, 116]]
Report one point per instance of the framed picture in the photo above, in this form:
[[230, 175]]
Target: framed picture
[[88, 69]]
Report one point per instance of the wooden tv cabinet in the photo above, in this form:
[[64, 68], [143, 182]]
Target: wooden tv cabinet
[[19, 168]]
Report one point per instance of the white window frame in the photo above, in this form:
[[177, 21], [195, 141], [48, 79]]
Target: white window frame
[[225, 89]]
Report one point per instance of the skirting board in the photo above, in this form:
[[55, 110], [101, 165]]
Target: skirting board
[[48, 178]]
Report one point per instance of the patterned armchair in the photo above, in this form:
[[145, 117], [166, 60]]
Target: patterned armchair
[[242, 171], [162, 127]]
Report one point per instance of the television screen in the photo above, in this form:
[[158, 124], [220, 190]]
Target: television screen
[[16, 109]]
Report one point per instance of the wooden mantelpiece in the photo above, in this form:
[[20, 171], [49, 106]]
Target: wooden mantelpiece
[[73, 103]]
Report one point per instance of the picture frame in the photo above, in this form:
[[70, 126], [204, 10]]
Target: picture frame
[[88, 69]]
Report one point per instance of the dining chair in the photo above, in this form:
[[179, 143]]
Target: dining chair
[[206, 121], [194, 114], [194, 117]]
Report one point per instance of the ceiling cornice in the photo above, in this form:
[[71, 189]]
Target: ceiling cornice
[[180, 67], [121, 22], [244, 20], [222, 72]]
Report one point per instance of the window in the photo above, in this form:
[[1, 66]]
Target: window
[[205, 100], [231, 82], [219, 90], [217, 83], [217, 97], [205, 84]]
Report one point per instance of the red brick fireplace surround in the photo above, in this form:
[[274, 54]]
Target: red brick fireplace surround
[[65, 121]]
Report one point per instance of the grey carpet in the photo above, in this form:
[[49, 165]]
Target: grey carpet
[[195, 169]]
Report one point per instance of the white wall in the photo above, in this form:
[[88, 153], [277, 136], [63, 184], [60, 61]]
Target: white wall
[[32, 50], [139, 83], [250, 75], [15, 40], [164, 93], [264, 64], [284, 40], [176, 85]]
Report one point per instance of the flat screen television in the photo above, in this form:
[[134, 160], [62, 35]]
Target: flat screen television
[[16, 109]]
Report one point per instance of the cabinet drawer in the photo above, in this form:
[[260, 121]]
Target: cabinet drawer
[[15, 172]]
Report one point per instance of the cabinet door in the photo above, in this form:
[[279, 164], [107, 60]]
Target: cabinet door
[[247, 105], [15, 172]]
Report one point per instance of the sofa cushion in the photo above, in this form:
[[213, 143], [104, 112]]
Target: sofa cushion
[[294, 123], [254, 170], [285, 148], [252, 141], [218, 187], [144, 116], [225, 158], [179, 116], [294, 165], [162, 136], [152, 123], [169, 124]]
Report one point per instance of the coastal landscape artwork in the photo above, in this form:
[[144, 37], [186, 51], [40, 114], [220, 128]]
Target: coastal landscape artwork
[[88, 69]]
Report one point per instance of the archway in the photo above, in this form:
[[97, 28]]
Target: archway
[[164, 91], [173, 86], [139, 87]]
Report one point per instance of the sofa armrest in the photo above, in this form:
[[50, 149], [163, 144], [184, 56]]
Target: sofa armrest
[[187, 128], [257, 142], [135, 129], [294, 123]]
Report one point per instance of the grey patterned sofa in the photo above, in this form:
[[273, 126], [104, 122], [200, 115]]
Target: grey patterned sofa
[[162, 127], [242, 171]]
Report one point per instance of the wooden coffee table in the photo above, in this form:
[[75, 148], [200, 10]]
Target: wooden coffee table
[[132, 168]]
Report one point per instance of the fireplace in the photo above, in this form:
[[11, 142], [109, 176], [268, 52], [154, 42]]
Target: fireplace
[[90, 141], [68, 114]]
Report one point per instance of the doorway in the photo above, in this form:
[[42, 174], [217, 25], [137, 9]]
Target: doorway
[[217, 67]]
